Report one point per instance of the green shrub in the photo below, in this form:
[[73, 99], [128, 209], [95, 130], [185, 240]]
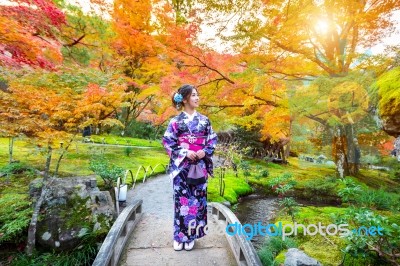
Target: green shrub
[[319, 187], [395, 172], [350, 190], [272, 247], [366, 197], [108, 172], [16, 168], [264, 173], [378, 199], [142, 130], [370, 159], [246, 168], [283, 185], [261, 172], [128, 151], [83, 255], [368, 246], [15, 215]]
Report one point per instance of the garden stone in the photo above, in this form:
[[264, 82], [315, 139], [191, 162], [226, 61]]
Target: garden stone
[[71, 209], [296, 257], [330, 163]]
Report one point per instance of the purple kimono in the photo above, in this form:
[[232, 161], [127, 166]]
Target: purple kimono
[[190, 201]]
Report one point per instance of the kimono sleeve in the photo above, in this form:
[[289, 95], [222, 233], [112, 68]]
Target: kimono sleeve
[[211, 141], [170, 143]]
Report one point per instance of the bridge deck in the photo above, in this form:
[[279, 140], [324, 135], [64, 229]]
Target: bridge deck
[[151, 240]]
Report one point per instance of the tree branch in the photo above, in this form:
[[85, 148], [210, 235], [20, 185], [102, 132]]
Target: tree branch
[[207, 66], [211, 81]]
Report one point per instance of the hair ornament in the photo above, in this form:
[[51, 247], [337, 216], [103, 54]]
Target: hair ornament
[[178, 98]]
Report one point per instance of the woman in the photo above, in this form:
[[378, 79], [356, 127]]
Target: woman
[[189, 140]]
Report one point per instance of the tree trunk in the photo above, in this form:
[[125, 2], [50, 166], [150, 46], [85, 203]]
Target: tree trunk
[[62, 154], [339, 150], [31, 240], [353, 151], [10, 148], [346, 151], [287, 151], [48, 162]]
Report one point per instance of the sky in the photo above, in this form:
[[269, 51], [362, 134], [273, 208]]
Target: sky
[[394, 39]]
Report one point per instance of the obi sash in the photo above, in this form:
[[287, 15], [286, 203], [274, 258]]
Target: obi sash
[[194, 141]]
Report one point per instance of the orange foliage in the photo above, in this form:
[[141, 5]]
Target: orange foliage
[[27, 34]]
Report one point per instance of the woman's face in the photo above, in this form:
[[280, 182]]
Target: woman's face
[[193, 100]]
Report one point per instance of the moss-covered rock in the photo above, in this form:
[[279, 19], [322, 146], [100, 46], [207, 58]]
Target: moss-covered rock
[[72, 208], [388, 87]]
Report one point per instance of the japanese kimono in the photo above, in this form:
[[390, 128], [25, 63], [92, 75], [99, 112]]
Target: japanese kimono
[[185, 133]]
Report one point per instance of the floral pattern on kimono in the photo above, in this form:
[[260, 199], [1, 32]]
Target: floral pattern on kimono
[[190, 201]]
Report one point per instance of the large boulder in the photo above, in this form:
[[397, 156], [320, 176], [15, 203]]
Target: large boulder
[[296, 257], [388, 91], [72, 208]]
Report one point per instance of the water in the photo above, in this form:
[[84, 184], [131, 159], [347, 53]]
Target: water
[[257, 208]]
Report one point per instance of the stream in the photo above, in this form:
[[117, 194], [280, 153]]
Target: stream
[[258, 207]]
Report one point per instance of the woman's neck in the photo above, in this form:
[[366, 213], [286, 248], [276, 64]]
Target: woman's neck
[[189, 111]]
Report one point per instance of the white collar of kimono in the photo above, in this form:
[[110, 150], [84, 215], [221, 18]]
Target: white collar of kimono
[[191, 116]]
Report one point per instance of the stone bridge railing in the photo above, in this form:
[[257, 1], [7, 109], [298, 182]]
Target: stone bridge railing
[[118, 235], [242, 249]]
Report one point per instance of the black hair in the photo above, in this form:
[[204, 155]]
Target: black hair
[[185, 90]]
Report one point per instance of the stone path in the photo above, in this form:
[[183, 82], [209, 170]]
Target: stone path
[[151, 240]]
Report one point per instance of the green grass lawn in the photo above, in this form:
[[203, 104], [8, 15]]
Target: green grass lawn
[[307, 174], [118, 140], [76, 160]]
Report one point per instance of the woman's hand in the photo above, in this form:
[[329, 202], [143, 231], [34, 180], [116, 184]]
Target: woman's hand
[[200, 154], [192, 155]]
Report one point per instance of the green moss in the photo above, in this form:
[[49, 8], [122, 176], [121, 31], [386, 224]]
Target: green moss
[[280, 258], [274, 249], [389, 92], [118, 140], [234, 188], [76, 214], [105, 223], [377, 179], [327, 252], [315, 215]]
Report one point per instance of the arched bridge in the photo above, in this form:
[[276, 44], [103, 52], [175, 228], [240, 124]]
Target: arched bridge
[[142, 233]]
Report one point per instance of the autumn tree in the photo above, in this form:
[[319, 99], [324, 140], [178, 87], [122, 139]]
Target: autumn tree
[[313, 38], [51, 114], [28, 33], [85, 36], [138, 55]]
